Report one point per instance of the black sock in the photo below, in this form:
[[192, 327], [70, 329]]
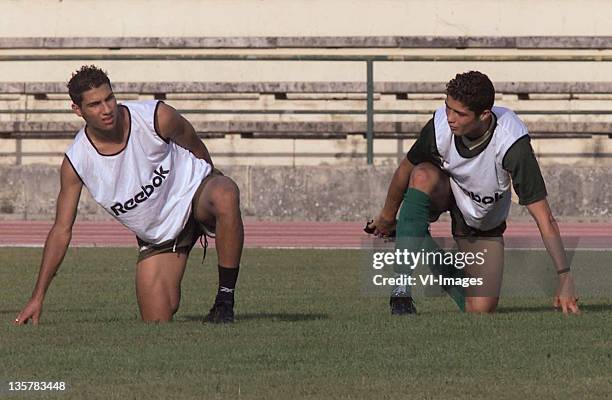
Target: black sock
[[227, 284]]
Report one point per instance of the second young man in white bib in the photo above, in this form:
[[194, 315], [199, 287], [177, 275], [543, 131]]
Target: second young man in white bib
[[466, 159]]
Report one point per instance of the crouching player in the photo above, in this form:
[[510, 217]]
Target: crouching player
[[465, 161], [143, 163]]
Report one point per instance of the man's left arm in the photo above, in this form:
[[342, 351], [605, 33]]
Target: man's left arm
[[565, 298], [173, 126], [529, 185]]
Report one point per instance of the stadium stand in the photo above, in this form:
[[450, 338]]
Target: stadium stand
[[325, 112], [305, 42], [43, 122]]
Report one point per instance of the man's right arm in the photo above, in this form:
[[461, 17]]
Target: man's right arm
[[424, 149], [384, 224], [57, 241]]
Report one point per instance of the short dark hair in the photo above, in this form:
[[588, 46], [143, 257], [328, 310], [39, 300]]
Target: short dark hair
[[88, 77], [474, 89]]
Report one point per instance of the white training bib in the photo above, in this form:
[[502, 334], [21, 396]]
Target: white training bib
[[149, 185], [480, 185]]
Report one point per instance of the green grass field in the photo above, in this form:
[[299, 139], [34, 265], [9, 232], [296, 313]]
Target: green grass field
[[303, 330]]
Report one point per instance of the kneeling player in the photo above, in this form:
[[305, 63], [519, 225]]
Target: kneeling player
[[464, 161], [143, 163]]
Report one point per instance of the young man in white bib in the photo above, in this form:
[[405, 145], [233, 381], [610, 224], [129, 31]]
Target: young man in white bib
[[465, 161], [145, 165]]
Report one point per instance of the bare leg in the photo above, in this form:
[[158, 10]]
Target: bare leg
[[429, 179], [158, 285], [484, 299], [219, 206]]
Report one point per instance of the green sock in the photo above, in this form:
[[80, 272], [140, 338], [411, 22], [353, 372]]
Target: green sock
[[457, 293], [411, 225], [413, 234], [414, 214]]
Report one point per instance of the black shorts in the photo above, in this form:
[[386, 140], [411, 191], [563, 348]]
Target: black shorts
[[460, 228], [187, 238]]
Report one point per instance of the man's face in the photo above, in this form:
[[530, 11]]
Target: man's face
[[98, 108], [461, 119]]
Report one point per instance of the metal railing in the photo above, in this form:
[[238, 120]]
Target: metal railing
[[368, 59]]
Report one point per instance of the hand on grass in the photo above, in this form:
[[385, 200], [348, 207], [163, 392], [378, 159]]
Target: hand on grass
[[31, 311], [565, 297]]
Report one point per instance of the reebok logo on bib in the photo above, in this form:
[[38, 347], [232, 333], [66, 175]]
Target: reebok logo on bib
[[144, 194], [484, 199]]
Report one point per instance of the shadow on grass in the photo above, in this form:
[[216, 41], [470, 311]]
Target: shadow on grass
[[539, 309], [280, 317], [49, 312]]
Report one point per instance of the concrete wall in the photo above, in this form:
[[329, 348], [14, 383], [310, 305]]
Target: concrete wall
[[250, 18], [311, 192], [322, 193], [304, 17]]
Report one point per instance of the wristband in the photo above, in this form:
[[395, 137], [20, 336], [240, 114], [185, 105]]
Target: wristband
[[562, 271]]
